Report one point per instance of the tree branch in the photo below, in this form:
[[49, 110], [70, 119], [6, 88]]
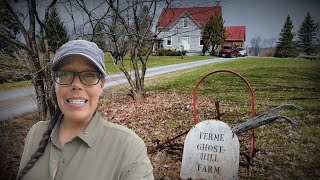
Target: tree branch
[[89, 14], [279, 108], [14, 42], [264, 119], [46, 16], [19, 23]]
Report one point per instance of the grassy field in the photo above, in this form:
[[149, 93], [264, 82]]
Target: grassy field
[[274, 81], [292, 153], [153, 61]]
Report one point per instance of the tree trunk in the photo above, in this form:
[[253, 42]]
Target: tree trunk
[[48, 83], [41, 79], [38, 80], [38, 75], [137, 90], [266, 118]]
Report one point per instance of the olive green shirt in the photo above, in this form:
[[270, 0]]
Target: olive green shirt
[[103, 151]]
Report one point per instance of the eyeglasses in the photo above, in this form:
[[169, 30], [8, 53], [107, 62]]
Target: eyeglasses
[[86, 77]]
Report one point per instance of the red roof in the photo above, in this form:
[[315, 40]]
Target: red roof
[[198, 14], [236, 33]]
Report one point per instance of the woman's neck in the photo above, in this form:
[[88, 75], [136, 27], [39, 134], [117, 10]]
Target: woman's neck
[[70, 128]]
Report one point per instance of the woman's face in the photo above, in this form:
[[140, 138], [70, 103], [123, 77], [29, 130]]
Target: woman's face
[[77, 101]]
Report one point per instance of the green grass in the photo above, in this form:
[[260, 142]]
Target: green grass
[[275, 81], [8, 86], [153, 61]]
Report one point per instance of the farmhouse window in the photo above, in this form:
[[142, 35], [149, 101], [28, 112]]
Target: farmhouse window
[[201, 43], [169, 41], [185, 22]]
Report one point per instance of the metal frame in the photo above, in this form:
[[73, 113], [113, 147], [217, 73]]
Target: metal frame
[[252, 102]]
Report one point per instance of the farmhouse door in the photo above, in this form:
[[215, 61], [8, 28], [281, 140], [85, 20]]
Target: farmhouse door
[[185, 43]]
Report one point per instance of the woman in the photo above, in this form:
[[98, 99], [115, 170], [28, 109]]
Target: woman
[[78, 143]]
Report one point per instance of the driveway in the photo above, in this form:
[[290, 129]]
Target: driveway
[[22, 100]]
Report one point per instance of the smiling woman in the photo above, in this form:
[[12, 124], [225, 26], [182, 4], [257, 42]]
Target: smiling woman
[[77, 143]]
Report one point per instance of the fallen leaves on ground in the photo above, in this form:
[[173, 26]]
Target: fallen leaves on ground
[[282, 152]]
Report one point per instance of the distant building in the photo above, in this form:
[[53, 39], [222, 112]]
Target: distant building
[[181, 28], [236, 35]]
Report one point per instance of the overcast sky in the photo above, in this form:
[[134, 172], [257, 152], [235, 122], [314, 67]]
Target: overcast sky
[[264, 18]]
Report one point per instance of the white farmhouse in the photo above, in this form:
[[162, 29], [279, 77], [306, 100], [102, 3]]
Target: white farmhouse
[[180, 28]]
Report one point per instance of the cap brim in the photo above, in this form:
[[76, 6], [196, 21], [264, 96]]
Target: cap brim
[[57, 61]]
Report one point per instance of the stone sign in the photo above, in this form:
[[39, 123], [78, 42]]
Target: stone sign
[[211, 151]]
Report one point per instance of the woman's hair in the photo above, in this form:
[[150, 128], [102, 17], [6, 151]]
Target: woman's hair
[[45, 139]]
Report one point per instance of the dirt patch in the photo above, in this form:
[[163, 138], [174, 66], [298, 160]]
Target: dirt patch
[[12, 136], [164, 115]]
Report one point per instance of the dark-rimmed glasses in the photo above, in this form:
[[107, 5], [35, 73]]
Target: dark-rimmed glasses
[[89, 78]]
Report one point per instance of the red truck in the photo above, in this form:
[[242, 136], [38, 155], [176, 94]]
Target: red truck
[[228, 51]]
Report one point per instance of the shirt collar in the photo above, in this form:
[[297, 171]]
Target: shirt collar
[[89, 135], [54, 136]]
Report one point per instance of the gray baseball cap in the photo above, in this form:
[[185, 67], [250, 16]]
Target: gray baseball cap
[[80, 47]]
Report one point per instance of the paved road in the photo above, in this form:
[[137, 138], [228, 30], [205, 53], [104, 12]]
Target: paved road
[[18, 101]]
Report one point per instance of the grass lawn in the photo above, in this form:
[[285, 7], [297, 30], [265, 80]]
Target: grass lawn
[[153, 61], [13, 85], [273, 80], [292, 153]]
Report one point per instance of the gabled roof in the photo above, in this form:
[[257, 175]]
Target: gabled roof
[[236, 33], [198, 14]]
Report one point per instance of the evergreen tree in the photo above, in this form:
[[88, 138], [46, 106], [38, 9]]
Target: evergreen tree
[[285, 45], [213, 33], [9, 29], [99, 37], [318, 39], [56, 31], [307, 35]]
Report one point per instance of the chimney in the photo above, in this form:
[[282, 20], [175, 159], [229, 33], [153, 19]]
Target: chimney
[[218, 2]]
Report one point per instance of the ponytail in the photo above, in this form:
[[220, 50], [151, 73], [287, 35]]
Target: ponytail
[[45, 139]]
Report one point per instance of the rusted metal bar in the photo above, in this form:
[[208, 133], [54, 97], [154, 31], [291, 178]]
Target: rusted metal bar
[[251, 94], [216, 103], [163, 145]]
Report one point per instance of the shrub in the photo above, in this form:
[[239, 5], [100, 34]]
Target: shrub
[[184, 52], [161, 51], [285, 52], [268, 52], [170, 52]]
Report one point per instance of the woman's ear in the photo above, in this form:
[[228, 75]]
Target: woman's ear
[[103, 81]]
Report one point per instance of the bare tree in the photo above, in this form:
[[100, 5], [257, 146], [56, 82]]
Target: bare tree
[[134, 20], [269, 45], [127, 25], [27, 42], [256, 45]]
